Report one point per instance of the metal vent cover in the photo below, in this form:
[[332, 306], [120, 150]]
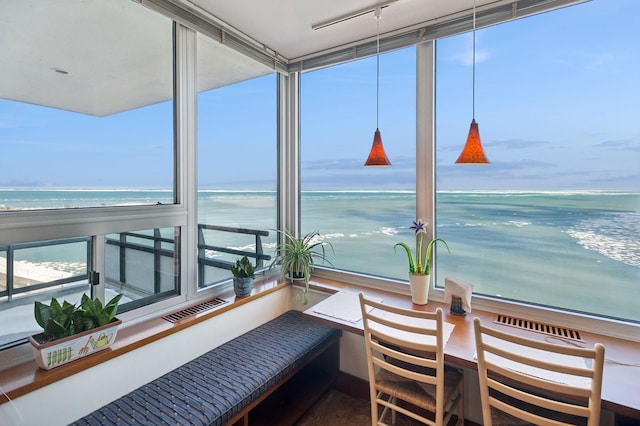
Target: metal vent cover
[[193, 310], [539, 327]]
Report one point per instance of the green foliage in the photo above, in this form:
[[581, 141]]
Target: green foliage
[[296, 256], [243, 268], [55, 319], [64, 320], [427, 261]]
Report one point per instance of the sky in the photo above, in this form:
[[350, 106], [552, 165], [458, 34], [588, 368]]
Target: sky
[[556, 99]]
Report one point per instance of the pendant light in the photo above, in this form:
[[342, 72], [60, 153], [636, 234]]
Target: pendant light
[[377, 156], [472, 153]]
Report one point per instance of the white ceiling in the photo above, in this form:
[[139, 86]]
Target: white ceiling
[[286, 25], [117, 53]]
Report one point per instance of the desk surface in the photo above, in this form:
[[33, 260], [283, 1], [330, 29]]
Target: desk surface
[[621, 384]]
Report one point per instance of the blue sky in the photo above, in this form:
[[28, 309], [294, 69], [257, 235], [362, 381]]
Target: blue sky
[[556, 101]]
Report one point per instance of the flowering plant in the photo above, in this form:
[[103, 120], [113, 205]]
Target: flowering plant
[[423, 263]]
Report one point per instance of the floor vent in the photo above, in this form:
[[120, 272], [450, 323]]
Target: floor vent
[[552, 330], [193, 310]]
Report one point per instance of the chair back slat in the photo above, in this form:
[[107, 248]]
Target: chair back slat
[[537, 381], [405, 361]]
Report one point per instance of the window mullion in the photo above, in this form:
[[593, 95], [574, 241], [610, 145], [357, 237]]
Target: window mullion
[[186, 170]]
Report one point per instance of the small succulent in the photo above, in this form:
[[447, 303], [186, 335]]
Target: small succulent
[[243, 268], [66, 319]]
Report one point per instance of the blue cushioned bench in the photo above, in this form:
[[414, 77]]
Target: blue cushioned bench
[[235, 382]]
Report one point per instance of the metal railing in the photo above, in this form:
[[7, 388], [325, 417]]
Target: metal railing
[[13, 289], [204, 261], [154, 244]]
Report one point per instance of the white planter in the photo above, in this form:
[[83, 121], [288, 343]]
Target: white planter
[[61, 351], [419, 288]]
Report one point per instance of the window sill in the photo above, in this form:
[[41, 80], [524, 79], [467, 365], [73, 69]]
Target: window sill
[[620, 384], [18, 380]]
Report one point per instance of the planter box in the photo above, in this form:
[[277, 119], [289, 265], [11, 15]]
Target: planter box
[[61, 351]]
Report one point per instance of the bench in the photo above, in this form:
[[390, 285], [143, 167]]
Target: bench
[[279, 368]]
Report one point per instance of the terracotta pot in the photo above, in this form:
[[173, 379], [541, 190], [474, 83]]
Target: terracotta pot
[[419, 288], [61, 351]]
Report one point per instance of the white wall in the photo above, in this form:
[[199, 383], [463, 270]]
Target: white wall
[[73, 397]]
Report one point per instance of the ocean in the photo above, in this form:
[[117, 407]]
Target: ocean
[[578, 250]]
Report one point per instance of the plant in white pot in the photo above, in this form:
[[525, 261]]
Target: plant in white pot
[[420, 268], [297, 256], [243, 274], [71, 332]]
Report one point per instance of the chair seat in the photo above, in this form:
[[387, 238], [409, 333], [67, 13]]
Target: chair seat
[[419, 394]]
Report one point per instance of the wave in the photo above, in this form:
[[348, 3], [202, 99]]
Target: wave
[[611, 236]]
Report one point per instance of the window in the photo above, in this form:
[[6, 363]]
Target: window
[[30, 270], [237, 177], [361, 211], [87, 133], [554, 219], [81, 123], [142, 265]]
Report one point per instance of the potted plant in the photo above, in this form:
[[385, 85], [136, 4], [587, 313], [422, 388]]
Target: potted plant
[[420, 269], [71, 332], [243, 274], [297, 255]]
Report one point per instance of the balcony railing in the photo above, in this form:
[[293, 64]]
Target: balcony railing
[[140, 245], [17, 285], [203, 260]]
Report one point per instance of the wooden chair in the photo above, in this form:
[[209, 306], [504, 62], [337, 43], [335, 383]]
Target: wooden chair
[[525, 381], [405, 359]]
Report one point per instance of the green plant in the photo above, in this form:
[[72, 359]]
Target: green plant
[[297, 256], [420, 229], [66, 319], [243, 268]]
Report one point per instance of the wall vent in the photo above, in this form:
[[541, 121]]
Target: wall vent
[[552, 330], [193, 310]]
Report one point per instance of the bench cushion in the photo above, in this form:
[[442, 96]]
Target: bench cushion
[[213, 388]]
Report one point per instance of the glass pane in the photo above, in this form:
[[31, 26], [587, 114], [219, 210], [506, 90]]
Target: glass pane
[[361, 211], [237, 177], [554, 219], [38, 271], [85, 103], [143, 265]]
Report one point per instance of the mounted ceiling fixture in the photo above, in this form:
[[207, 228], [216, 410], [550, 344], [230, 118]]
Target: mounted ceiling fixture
[[472, 153], [377, 156], [352, 15]]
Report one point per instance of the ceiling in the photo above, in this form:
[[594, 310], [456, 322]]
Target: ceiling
[[105, 57], [285, 26]]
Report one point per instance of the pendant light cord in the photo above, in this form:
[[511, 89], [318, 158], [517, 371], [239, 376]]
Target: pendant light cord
[[378, 13], [473, 90]]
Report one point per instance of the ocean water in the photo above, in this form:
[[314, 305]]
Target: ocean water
[[578, 250]]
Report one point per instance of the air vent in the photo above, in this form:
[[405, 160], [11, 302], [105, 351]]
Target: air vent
[[194, 310], [552, 330]]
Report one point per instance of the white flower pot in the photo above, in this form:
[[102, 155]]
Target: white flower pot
[[61, 351], [419, 288]]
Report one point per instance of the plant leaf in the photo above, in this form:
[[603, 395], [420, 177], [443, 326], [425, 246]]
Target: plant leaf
[[412, 265]]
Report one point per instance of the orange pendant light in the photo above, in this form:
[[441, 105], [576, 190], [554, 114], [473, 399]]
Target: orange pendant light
[[472, 153], [377, 156]]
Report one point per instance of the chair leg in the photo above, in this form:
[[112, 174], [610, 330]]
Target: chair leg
[[461, 404], [394, 401], [374, 413]]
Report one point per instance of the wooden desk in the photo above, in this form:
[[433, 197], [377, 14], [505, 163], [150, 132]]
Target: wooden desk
[[621, 384]]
